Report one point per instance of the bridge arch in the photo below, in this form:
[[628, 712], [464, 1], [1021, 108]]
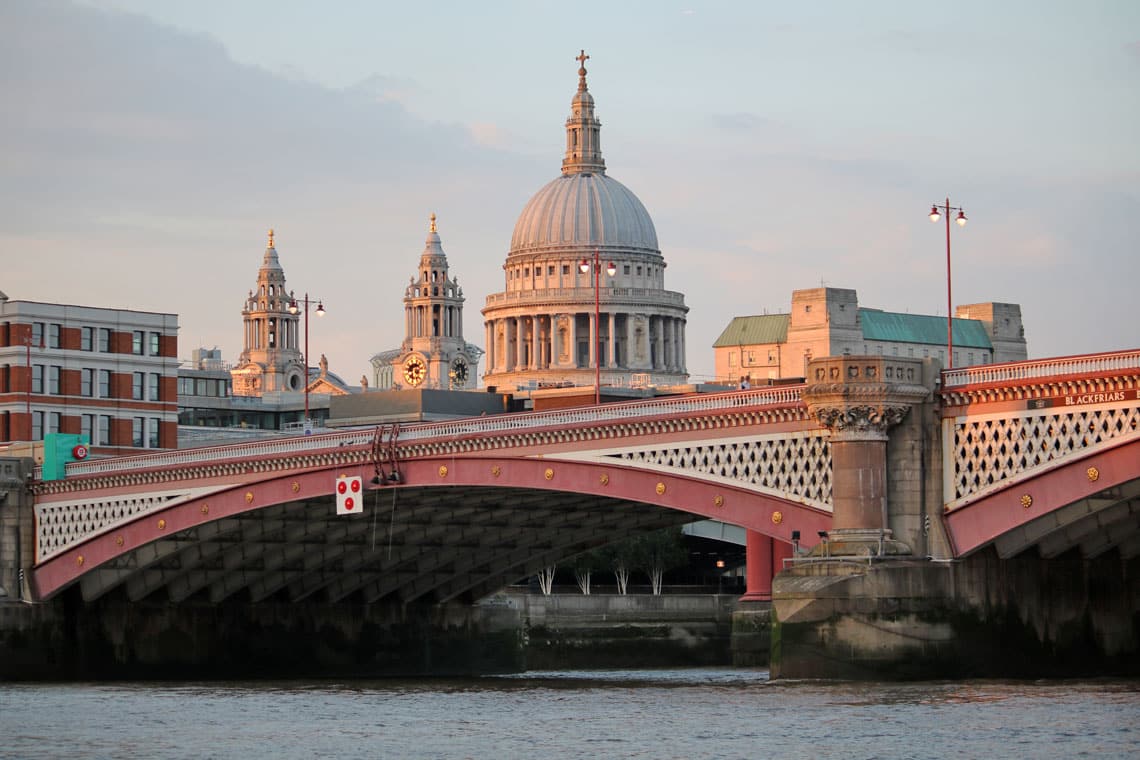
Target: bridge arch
[[292, 539], [1087, 501]]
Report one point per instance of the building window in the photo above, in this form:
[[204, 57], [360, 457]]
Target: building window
[[53, 335], [86, 381], [550, 270], [185, 386], [152, 433], [53, 422], [731, 358], [87, 426], [638, 271], [105, 340], [153, 386], [87, 338], [137, 342], [104, 383], [37, 333], [37, 378], [154, 343], [104, 430], [807, 307], [37, 426], [137, 380], [565, 269], [53, 379], [625, 269], [137, 431]]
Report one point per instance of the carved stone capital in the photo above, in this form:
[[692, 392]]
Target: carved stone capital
[[861, 422], [858, 398]]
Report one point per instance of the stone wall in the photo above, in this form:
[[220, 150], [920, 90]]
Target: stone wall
[[116, 639], [978, 617], [576, 631]]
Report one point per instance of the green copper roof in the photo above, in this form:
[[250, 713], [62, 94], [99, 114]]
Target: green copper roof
[[748, 331], [920, 328]]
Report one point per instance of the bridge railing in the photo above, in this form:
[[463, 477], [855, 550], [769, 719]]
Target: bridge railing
[[491, 425], [1041, 368]]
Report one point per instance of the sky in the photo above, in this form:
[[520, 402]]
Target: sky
[[146, 146]]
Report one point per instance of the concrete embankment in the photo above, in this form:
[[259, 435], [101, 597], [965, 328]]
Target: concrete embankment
[[577, 631]]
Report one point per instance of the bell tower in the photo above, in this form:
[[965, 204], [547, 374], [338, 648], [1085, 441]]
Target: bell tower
[[270, 359], [434, 353]]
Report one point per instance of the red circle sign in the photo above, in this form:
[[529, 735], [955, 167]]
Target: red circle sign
[[341, 487], [349, 503], [79, 452], [355, 485]]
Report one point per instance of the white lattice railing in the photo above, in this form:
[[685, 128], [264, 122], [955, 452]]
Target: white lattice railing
[[486, 426], [992, 451], [62, 525], [795, 464], [1043, 368]]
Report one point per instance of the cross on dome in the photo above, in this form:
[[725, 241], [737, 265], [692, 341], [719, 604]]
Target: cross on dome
[[582, 58], [270, 237]]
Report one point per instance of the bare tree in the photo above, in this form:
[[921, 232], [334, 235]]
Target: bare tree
[[658, 552], [546, 579]]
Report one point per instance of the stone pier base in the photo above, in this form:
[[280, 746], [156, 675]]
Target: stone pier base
[[751, 634], [65, 639], [979, 617]]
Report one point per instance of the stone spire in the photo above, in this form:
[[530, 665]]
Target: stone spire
[[583, 131]]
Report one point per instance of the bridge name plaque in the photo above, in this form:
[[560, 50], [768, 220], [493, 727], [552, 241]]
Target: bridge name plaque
[[1083, 399]]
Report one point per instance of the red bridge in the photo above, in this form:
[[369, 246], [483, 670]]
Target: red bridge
[[1041, 454]]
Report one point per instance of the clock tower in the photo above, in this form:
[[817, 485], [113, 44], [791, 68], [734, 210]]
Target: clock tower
[[434, 353]]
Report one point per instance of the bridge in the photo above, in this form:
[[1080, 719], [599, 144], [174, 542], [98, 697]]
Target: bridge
[[871, 458]]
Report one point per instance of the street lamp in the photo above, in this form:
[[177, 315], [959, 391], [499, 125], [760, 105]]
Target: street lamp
[[294, 307], [611, 270], [936, 212]]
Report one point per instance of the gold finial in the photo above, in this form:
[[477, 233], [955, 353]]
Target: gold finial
[[270, 237], [581, 58], [433, 222]]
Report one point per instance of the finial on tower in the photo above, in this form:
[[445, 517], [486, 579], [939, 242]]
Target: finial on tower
[[270, 237], [581, 58], [433, 222]]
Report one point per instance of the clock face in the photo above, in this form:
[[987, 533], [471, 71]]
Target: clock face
[[459, 372], [414, 370]]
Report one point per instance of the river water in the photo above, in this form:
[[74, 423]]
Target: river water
[[703, 713]]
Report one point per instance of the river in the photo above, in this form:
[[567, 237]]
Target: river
[[701, 713]]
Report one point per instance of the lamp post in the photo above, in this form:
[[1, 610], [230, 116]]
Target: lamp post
[[936, 212], [611, 270], [294, 307]]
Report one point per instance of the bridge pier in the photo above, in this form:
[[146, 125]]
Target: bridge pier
[[866, 604]]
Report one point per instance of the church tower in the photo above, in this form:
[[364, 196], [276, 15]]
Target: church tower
[[433, 353], [270, 359]]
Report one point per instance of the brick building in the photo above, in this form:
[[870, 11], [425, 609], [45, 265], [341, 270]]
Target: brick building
[[110, 374]]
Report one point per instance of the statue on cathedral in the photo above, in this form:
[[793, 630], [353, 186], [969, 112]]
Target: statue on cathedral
[[364, 382], [324, 366]]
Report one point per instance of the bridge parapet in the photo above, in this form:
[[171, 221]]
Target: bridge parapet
[[481, 433], [1003, 424], [1014, 373]]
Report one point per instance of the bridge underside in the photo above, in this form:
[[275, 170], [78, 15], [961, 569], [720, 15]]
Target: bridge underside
[[429, 544]]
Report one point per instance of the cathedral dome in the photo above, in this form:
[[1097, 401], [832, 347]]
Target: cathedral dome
[[584, 211]]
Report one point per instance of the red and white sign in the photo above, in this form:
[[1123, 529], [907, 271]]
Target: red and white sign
[[349, 495], [79, 452]]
